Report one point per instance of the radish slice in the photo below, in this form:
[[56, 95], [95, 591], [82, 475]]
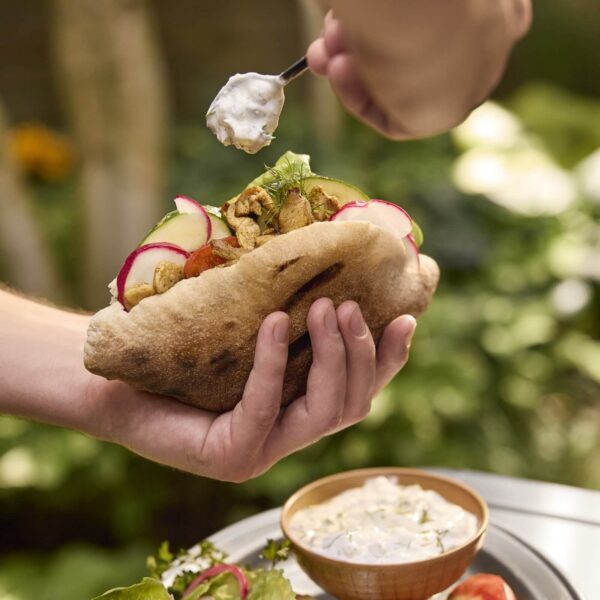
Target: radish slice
[[378, 212], [217, 570], [412, 253], [140, 265], [187, 205]]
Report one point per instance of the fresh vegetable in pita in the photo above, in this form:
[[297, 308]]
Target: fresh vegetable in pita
[[188, 302]]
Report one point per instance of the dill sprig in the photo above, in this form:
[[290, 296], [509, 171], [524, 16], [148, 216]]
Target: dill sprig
[[283, 179], [439, 539]]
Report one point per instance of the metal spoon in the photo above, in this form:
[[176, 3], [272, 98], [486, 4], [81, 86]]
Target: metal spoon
[[295, 70]]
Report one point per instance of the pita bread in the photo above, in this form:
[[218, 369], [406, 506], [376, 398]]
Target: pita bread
[[196, 341]]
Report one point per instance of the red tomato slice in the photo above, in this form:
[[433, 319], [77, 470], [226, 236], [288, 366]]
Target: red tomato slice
[[203, 259], [483, 587]]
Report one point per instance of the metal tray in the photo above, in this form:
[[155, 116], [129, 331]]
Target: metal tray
[[531, 575]]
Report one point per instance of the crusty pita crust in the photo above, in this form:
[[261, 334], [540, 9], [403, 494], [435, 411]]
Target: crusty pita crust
[[196, 341]]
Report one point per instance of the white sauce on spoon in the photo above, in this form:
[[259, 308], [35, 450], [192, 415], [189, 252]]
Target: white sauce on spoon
[[383, 522], [245, 113]]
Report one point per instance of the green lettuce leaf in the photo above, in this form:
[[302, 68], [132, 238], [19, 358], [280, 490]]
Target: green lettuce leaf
[[276, 551], [264, 585], [221, 587], [269, 585], [291, 158], [148, 589]]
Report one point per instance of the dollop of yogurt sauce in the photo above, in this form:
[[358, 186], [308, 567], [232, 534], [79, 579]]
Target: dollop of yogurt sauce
[[245, 113], [383, 522]]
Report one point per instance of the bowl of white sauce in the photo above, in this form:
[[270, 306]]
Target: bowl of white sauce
[[385, 533]]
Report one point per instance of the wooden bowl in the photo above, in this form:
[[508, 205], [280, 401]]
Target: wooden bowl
[[405, 581]]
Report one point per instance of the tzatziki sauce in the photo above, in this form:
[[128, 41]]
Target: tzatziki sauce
[[245, 113], [383, 522]]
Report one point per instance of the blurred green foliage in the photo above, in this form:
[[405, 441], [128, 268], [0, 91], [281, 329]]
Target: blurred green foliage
[[72, 573], [504, 374]]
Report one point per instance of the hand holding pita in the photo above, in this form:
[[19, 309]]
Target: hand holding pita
[[46, 381], [347, 371]]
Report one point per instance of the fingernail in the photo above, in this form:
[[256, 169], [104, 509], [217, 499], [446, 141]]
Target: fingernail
[[281, 331], [411, 325], [357, 323], [331, 319]]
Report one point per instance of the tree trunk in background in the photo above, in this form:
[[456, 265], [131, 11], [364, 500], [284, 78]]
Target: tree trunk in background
[[114, 83], [324, 107], [28, 260]]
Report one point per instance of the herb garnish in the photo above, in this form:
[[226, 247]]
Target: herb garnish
[[281, 180], [439, 539], [424, 518], [276, 551], [165, 558]]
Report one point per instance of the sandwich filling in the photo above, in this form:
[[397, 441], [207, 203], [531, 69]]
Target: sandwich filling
[[194, 238]]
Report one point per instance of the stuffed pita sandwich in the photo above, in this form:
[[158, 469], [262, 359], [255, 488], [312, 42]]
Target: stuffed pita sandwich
[[187, 304]]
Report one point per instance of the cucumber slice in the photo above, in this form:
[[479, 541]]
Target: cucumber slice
[[417, 234], [170, 215], [343, 191], [220, 228], [212, 210], [186, 230]]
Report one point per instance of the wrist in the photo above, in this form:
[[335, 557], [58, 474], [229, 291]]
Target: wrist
[[108, 403], [42, 376]]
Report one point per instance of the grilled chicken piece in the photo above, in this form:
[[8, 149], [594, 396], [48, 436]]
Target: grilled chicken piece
[[322, 204], [134, 295], [225, 251], [247, 233], [295, 212], [252, 201], [166, 275], [246, 228]]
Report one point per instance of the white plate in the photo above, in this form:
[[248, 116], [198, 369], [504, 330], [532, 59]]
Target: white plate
[[531, 576]]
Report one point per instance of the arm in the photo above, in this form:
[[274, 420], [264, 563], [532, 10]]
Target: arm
[[42, 377], [414, 68], [41, 366]]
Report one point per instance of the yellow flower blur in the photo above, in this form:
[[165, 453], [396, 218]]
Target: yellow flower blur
[[41, 152]]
